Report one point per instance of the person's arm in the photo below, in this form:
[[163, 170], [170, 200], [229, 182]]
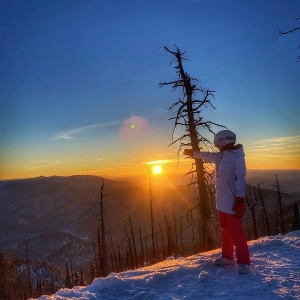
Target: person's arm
[[240, 185], [240, 173], [208, 157]]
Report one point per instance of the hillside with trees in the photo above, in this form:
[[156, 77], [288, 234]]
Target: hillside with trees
[[88, 241]]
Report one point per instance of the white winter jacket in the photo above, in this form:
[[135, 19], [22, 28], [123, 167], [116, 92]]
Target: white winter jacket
[[230, 172]]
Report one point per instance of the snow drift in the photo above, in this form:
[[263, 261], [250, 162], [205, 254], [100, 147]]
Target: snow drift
[[275, 274]]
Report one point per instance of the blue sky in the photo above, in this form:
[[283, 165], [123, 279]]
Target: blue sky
[[73, 71]]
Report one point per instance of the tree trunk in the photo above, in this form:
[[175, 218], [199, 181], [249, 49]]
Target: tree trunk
[[279, 195], [188, 115], [264, 210], [204, 211]]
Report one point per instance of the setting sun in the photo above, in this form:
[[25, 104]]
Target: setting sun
[[157, 169], [157, 166]]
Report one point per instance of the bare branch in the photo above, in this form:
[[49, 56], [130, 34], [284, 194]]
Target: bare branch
[[168, 83], [287, 32]]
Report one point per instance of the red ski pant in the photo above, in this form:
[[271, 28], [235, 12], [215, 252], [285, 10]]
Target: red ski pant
[[232, 235]]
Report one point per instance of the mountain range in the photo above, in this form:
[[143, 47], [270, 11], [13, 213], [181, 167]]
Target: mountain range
[[55, 218]]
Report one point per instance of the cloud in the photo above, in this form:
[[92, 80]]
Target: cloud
[[38, 164], [278, 141], [38, 167], [70, 134], [278, 144], [60, 162], [161, 162], [277, 147]]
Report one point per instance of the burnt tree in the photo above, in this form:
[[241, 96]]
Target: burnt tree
[[251, 201], [103, 268], [279, 196], [151, 217], [133, 242], [142, 256], [296, 218], [188, 113], [263, 204]]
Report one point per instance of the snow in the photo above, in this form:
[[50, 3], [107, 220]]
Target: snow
[[275, 274]]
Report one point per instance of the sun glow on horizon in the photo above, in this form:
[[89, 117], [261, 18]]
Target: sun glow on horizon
[[157, 169], [157, 166], [265, 154], [159, 162]]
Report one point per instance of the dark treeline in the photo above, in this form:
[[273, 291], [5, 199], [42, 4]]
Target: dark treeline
[[267, 213], [24, 278], [175, 233]]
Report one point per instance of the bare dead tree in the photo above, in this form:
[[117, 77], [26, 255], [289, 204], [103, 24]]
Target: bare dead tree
[[102, 246], [133, 242], [191, 224], [28, 265], [76, 278], [82, 277], [147, 255], [99, 257], [130, 255], [188, 113], [142, 257], [279, 199], [68, 282], [181, 235], [162, 241], [156, 240], [112, 249], [263, 204], [121, 265], [288, 32], [151, 217], [169, 235], [296, 218], [95, 263], [175, 232], [251, 200], [93, 271]]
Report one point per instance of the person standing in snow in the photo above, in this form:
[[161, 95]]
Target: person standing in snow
[[230, 169]]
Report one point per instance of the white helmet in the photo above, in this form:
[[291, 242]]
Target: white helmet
[[224, 137]]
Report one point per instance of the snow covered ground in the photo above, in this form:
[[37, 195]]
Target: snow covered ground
[[275, 274]]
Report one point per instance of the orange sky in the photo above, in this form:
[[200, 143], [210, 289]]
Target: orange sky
[[276, 153]]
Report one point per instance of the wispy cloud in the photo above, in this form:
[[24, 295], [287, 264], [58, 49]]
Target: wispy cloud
[[93, 160], [38, 167], [71, 133], [61, 162], [275, 149], [286, 143], [38, 164], [278, 141], [161, 162]]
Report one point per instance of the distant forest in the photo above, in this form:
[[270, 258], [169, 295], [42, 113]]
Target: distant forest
[[176, 234]]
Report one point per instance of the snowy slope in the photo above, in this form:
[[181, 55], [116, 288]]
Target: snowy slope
[[275, 274]]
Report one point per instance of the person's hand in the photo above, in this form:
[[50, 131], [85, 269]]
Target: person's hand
[[239, 206], [188, 152]]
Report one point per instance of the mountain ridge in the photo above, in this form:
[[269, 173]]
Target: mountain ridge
[[66, 208]]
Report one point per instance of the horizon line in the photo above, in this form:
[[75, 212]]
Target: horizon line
[[125, 176]]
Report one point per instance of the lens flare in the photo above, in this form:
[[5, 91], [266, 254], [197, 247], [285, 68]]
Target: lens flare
[[134, 128]]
